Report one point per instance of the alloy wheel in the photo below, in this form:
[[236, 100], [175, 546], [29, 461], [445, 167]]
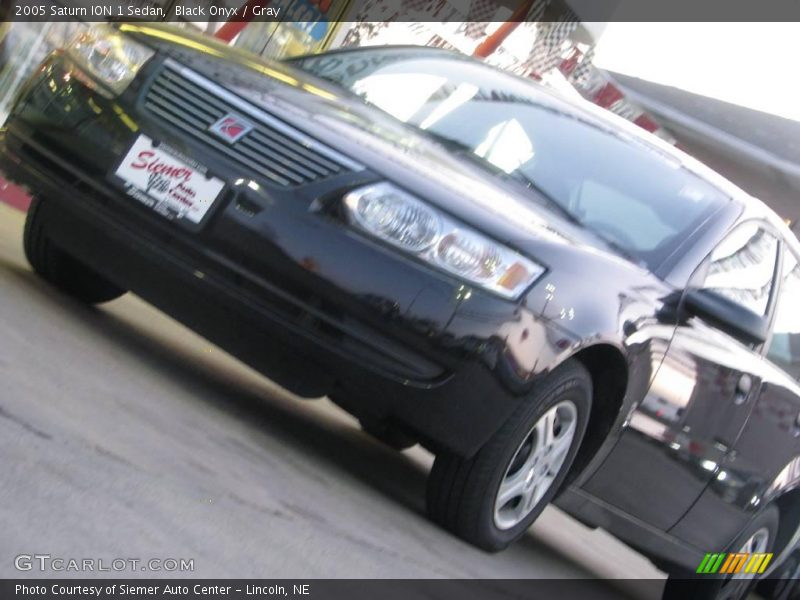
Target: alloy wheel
[[736, 586], [535, 465]]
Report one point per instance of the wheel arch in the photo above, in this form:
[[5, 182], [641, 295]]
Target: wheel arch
[[608, 369]]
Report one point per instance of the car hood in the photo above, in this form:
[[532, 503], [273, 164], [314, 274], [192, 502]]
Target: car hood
[[400, 153], [393, 150]]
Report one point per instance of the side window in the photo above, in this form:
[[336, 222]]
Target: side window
[[742, 267], [784, 349]]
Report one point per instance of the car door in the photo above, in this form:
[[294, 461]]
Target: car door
[[697, 404], [765, 456]]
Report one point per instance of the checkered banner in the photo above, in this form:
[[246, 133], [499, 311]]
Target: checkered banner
[[476, 14], [551, 37]]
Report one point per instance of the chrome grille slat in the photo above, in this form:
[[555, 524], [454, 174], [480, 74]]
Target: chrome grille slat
[[175, 98], [272, 149], [251, 149], [167, 111], [185, 88], [276, 141], [292, 171], [218, 145], [288, 157], [270, 138]]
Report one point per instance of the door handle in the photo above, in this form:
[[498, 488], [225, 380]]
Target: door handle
[[743, 388]]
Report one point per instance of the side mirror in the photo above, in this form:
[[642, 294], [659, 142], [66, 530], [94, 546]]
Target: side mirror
[[727, 315]]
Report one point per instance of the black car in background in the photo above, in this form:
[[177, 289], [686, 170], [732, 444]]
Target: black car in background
[[554, 303]]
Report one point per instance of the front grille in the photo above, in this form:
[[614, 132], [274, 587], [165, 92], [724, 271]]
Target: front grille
[[272, 148]]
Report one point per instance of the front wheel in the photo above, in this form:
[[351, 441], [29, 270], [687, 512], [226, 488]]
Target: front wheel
[[491, 499], [59, 268]]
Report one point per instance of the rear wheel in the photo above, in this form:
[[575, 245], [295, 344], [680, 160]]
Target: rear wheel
[[57, 267], [758, 537], [492, 498], [783, 584]]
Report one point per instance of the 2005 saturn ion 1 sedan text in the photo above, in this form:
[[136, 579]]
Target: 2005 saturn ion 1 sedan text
[[550, 300]]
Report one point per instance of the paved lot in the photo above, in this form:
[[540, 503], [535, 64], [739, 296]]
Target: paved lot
[[122, 434]]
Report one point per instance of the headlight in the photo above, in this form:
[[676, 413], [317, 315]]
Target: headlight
[[390, 214], [109, 57]]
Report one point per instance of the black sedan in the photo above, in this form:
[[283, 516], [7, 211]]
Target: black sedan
[[549, 300]]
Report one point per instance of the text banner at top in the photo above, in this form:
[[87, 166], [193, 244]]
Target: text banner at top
[[391, 10]]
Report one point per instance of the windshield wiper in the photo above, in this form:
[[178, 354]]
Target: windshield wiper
[[572, 218], [520, 177], [443, 140]]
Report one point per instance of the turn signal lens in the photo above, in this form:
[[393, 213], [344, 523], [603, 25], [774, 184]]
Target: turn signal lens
[[390, 214], [513, 277]]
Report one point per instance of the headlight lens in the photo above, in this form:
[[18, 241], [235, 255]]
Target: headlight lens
[[396, 217], [388, 213], [108, 56]]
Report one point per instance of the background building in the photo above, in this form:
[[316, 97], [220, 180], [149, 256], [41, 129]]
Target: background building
[[758, 151]]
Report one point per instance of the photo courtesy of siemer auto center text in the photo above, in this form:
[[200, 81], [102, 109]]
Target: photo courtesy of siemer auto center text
[[399, 300]]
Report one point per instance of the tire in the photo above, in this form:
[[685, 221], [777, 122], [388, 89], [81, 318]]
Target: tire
[[724, 587], [783, 583], [57, 267], [463, 492]]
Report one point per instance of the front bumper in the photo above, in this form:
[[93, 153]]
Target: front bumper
[[272, 277]]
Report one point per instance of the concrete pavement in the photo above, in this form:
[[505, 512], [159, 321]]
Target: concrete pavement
[[122, 434]]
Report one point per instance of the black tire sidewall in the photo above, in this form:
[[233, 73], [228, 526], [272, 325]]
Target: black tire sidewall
[[769, 518], [58, 267], [710, 587], [570, 382], [781, 586]]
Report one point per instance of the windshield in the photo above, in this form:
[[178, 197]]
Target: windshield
[[625, 190]]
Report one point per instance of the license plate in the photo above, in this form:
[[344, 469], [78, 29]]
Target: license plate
[[174, 187]]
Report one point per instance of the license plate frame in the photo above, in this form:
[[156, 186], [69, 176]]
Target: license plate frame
[[169, 183]]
